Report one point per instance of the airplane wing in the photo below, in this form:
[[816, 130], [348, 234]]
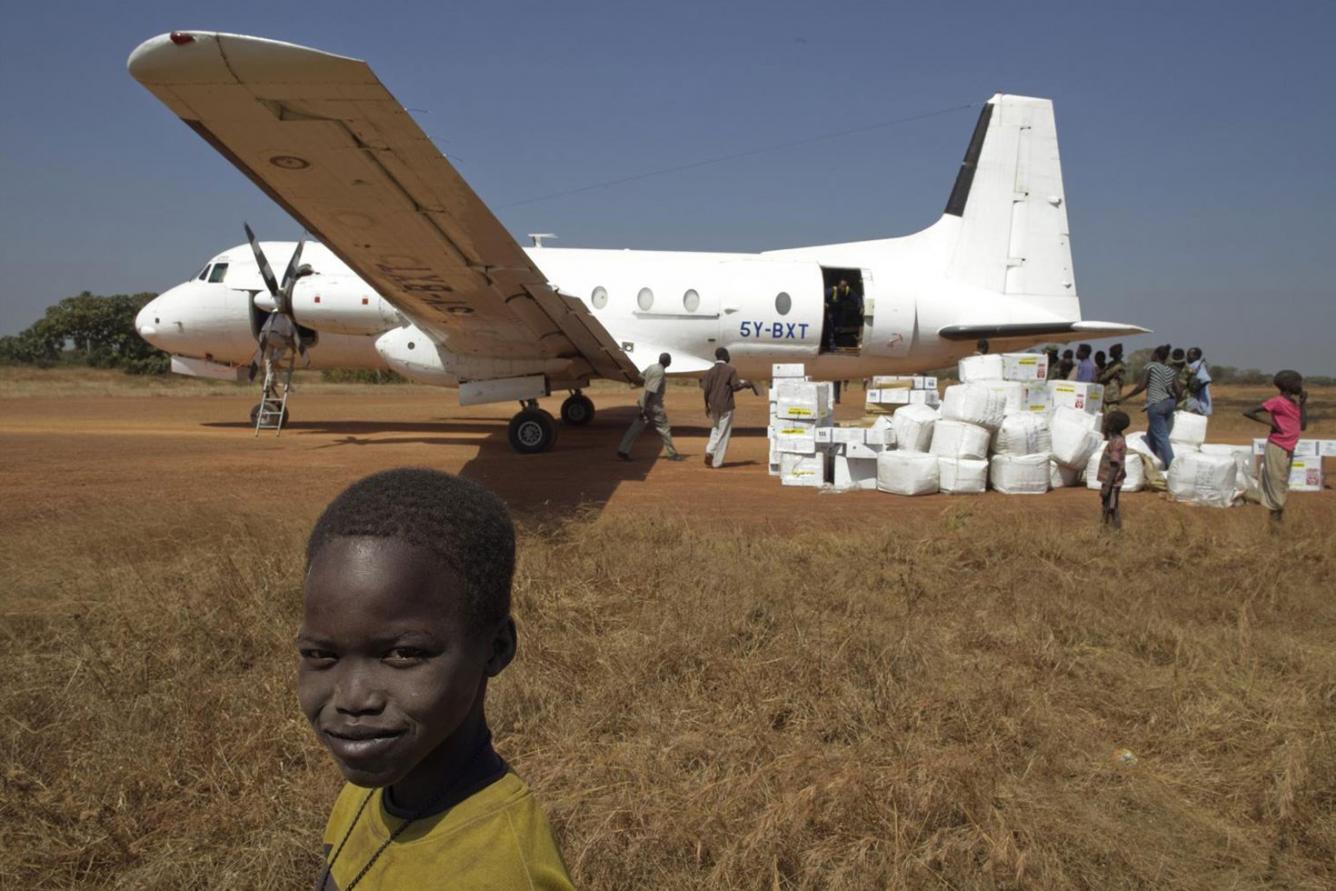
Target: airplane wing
[[322, 137], [1055, 330]]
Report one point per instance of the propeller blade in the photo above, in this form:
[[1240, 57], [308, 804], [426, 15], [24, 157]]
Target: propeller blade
[[290, 274], [265, 271]]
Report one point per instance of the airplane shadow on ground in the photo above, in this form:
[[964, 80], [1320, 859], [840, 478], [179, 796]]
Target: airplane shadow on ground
[[581, 472]]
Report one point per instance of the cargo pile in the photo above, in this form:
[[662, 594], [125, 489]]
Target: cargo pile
[[1005, 427]]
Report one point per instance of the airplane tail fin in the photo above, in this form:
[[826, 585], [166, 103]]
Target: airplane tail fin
[[1008, 195]]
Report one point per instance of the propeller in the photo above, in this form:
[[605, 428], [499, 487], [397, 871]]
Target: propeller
[[280, 327]]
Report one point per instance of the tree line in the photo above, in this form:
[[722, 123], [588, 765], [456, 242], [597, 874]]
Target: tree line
[[88, 329]]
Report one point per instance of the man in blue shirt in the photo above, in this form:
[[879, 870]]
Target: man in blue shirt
[[1085, 366]]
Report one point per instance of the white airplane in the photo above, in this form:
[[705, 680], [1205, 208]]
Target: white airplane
[[412, 272]]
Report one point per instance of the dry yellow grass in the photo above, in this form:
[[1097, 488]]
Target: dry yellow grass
[[702, 707]]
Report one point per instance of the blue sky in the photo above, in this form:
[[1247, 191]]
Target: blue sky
[[1196, 139]]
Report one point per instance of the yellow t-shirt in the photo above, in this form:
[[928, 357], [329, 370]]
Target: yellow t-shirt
[[495, 840]]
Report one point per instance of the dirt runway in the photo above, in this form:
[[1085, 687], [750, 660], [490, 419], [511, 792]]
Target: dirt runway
[[194, 450]]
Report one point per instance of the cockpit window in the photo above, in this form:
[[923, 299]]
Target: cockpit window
[[203, 273], [219, 270]]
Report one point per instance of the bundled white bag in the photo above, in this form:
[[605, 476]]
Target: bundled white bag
[[913, 427], [980, 368], [1062, 477], [1019, 474], [1076, 416], [1189, 431], [907, 473], [957, 439], [974, 404], [1073, 440], [1203, 479], [1136, 442], [1134, 481], [962, 476], [1025, 434]]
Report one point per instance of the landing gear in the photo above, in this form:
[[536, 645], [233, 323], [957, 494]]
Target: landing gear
[[532, 430], [577, 410], [255, 415]]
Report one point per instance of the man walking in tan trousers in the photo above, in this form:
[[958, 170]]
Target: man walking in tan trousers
[[651, 411]]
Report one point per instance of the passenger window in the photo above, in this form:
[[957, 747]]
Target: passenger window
[[645, 299], [203, 273], [783, 303], [599, 298], [219, 270], [691, 301]]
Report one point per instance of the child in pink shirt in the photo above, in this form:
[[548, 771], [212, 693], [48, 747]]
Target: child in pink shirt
[[1287, 415]]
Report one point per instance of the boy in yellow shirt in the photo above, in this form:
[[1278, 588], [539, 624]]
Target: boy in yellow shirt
[[407, 616]]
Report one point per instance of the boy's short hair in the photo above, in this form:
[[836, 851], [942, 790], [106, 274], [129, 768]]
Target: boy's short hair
[[1116, 422], [1288, 381], [461, 524]]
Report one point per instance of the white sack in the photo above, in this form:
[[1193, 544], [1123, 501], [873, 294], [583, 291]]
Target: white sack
[[1137, 442], [1073, 441], [1076, 416], [1135, 480], [1203, 479], [1062, 477], [1019, 474], [1189, 430], [980, 368], [913, 427], [957, 439], [962, 476], [907, 473], [1025, 434], [974, 404]]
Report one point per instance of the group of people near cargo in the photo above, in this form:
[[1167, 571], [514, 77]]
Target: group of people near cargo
[[1173, 380]]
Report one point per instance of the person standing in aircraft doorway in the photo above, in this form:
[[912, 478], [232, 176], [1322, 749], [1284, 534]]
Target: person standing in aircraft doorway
[[719, 384], [651, 411], [839, 301]]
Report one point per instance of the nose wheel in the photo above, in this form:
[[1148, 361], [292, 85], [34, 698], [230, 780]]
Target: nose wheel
[[532, 430], [577, 410]]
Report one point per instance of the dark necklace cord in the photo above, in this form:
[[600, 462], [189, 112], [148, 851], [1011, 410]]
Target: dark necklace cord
[[424, 810]]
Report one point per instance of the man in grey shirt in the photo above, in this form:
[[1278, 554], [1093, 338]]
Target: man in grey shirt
[[651, 411]]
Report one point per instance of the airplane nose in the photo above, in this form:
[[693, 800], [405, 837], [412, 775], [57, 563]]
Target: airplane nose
[[146, 322]]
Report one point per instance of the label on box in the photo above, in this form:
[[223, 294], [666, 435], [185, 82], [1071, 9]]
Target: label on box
[[1306, 474], [1326, 448], [1024, 367], [823, 434], [787, 369], [1073, 394]]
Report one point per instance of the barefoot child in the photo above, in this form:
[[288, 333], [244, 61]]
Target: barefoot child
[[1287, 415], [1113, 468], [407, 617]]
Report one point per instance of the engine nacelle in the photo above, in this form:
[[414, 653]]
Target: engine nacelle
[[342, 305], [410, 352]]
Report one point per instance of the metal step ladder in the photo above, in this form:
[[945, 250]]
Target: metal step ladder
[[274, 398]]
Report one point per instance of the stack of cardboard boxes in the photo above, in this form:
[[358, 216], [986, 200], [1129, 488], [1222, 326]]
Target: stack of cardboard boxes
[[1004, 427]]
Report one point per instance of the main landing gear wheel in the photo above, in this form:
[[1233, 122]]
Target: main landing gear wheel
[[255, 415], [577, 410], [531, 431]]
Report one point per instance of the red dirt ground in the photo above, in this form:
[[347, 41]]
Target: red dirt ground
[[69, 453]]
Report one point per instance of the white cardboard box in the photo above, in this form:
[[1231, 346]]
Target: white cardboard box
[[786, 369], [855, 473], [924, 397], [1306, 475], [802, 470], [801, 400], [1074, 394], [796, 437], [1025, 367], [848, 434], [1304, 448], [862, 450], [889, 396]]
